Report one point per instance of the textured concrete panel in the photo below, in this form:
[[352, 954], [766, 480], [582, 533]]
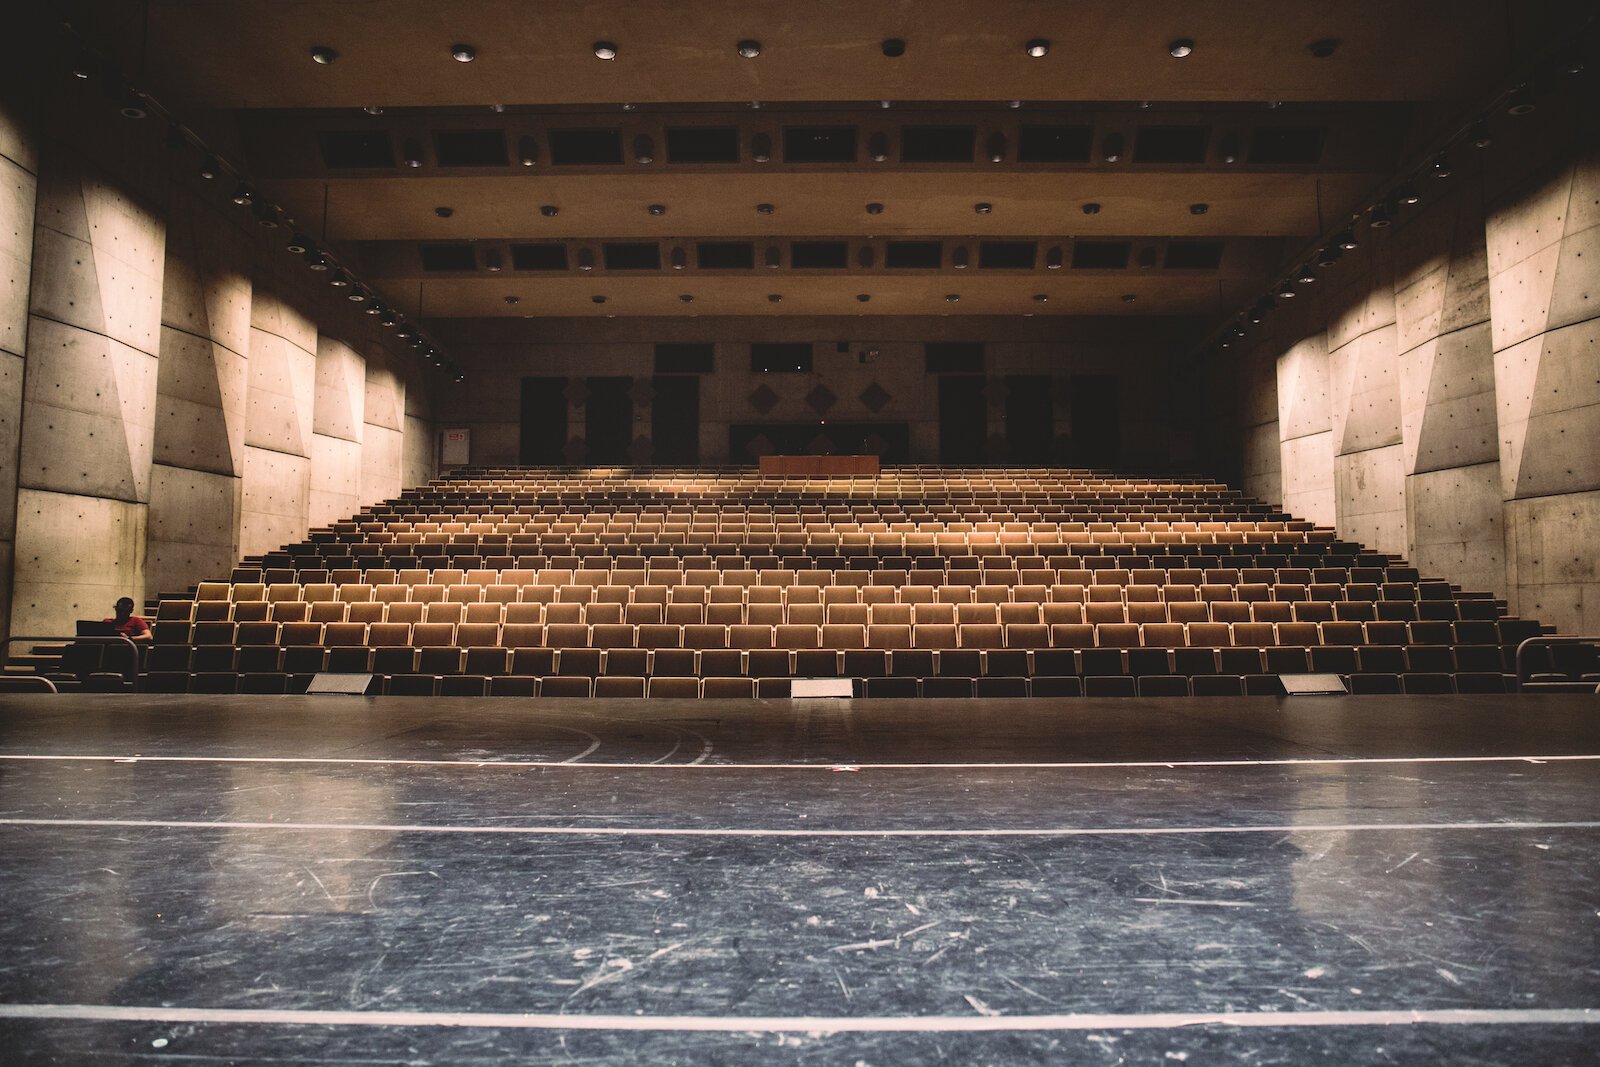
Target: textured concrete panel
[[384, 402], [1363, 301], [1552, 568], [340, 390], [382, 452], [207, 288], [18, 141], [1529, 222], [335, 479], [282, 383], [1308, 478], [1575, 297], [75, 555], [276, 501], [1521, 296], [1448, 414], [16, 253], [1258, 388], [201, 403], [1549, 400], [1371, 498], [97, 261], [193, 526], [1366, 391], [1263, 462], [420, 457], [1455, 522], [11, 368], [271, 312], [1304, 402], [1442, 271], [88, 414]]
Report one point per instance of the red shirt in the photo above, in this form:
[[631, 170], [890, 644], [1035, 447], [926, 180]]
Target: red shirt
[[132, 626]]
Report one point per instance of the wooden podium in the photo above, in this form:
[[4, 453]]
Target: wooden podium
[[819, 466]]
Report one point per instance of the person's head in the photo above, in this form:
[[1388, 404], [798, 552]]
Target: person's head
[[125, 607]]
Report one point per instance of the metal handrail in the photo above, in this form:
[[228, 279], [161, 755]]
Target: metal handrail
[[1550, 639], [131, 674], [49, 686]]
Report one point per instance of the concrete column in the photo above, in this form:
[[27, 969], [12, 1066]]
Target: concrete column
[[338, 421], [89, 397], [420, 459], [1305, 429], [383, 412], [196, 490], [278, 424], [19, 165]]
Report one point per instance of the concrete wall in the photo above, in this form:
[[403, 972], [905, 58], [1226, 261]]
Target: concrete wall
[[1436, 392], [176, 390], [893, 387]]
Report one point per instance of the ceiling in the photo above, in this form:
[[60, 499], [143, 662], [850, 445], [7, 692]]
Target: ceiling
[[1106, 138]]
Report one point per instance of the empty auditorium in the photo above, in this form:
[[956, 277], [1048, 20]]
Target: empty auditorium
[[733, 532]]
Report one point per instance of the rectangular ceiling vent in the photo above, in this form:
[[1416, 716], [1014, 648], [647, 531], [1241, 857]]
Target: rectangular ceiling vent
[[725, 255], [1053, 144], [448, 257], [1171, 144], [684, 357], [819, 144], [538, 257], [1100, 255], [354, 149], [635, 255], [585, 148], [913, 255], [777, 358], [699, 144], [470, 148], [1007, 255], [937, 144], [1287, 145], [819, 255], [1194, 255]]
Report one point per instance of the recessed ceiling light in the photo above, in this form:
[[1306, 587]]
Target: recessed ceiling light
[[133, 105], [355, 295], [749, 49], [874, 209], [1286, 291], [894, 47], [1329, 256], [339, 279], [243, 194], [1441, 166], [1180, 48], [1091, 209], [1520, 102], [463, 53], [774, 298], [1040, 298], [1111, 148], [605, 50], [1407, 194], [960, 257], [765, 209], [322, 54], [863, 297], [1054, 258], [598, 299], [498, 109], [513, 299], [983, 208], [878, 146], [677, 259], [1306, 275], [1199, 209], [444, 212], [210, 168], [1324, 47], [1382, 215], [761, 147], [1346, 239], [373, 109], [1038, 48], [657, 209], [1013, 104], [1228, 148], [527, 151], [549, 211], [686, 298], [952, 297], [995, 148], [644, 149], [1128, 298], [1480, 135], [411, 152]]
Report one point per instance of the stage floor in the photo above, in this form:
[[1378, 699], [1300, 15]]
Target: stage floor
[[406, 881]]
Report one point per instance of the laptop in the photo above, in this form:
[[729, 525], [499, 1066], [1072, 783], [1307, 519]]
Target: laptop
[[96, 628]]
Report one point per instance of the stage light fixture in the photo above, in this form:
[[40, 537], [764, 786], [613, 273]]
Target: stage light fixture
[[686, 298], [1037, 48], [878, 147], [1407, 194], [1480, 135], [1329, 256], [493, 262], [761, 147], [1199, 209], [463, 53], [133, 105], [657, 209], [677, 259], [644, 149], [1286, 291], [586, 259], [983, 208], [1128, 298], [1041, 298], [299, 243], [996, 147], [316, 260], [1307, 275], [513, 299], [960, 257], [1229, 148], [209, 168], [1346, 239], [1111, 148], [597, 299], [1521, 101], [527, 151], [765, 209], [323, 55], [1182, 48], [749, 49], [355, 295], [1054, 258], [267, 216], [1382, 215], [243, 195], [373, 109], [411, 152], [605, 50], [1147, 257], [773, 257], [549, 211], [1441, 166]]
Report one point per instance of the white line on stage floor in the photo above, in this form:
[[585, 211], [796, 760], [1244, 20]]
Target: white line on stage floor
[[576, 763], [738, 831], [735, 1024]]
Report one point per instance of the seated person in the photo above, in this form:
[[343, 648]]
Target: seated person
[[126, 623]]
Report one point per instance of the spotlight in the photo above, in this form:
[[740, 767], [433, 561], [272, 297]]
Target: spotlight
[[316, 260], [1382, 215], [983, 208], [1441, 166], [1237, 330], [657, 209], [1346, 239], [493, 262], [1037, 48], [387, 318], [209, 168], [894, 47], [1480, 136], [411, 152], [1091, 209], [374, 308], [444, 212], [678, 259], [644, 149], [1306, 276], [1180, 48], [1520, 102], [1286, 291], [1324, 47], [774, 298], [355, 295], [267, 216], [1329, 256], [323, 54], [878, 147], [463, 53], [1111, 148], [874, 209], [747, 49], [761, 147], [405, 332], [527, 151], [996, 147], [549, 211], [1054, 258], [1256, 314], [83, 66], [299, 243], [863, 297], [133, 105], [765, 209], [1229, 148], [1407, 195], [605, 50], [1199, 209], [243, 195]]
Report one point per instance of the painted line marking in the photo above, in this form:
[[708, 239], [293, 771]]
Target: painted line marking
[[734, 1024], [699, 764], [646, 831]]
